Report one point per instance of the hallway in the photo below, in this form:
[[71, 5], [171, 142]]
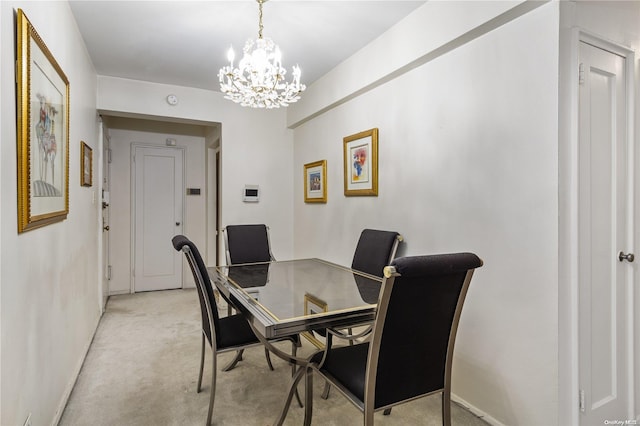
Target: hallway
[[142, 369]]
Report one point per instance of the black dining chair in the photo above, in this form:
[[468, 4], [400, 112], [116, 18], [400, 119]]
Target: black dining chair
[[231, 333], [247, 244], [410, 352], [375, 250]]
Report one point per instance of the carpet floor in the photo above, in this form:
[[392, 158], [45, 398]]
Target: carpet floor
[[142, 369]]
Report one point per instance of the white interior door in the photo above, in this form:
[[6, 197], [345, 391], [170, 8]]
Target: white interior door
[[158, 205], [605, 205]]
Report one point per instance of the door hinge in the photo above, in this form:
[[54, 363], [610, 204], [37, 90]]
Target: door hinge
[[581, 73], [108, 272], [109, 155], [581, 402]]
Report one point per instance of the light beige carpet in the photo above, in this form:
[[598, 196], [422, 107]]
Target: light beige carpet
[[142, 369]]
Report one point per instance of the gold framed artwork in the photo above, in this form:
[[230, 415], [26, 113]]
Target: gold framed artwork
[[314, 305], [315, 182], [43, 132], [361, 163], [86, 165]]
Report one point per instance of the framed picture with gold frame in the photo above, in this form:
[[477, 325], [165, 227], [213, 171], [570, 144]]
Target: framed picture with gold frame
[[361, 163], [43, 132], [314, 305], [86, 165], [315, 182]]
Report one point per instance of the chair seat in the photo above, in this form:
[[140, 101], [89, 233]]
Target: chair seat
[[235, 331], [347, 364]]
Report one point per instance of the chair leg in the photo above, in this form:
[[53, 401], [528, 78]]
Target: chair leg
[[325, 392], [446, 407], [212, 390], [234, 361], [268, 357], [368, 416], [201, 365]]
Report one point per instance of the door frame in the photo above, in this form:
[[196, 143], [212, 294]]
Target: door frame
[[132, 167], [568, 271], [104, 259]]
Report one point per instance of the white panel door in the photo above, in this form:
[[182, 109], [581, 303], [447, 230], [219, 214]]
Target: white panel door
[[158, 205], [604, 235]]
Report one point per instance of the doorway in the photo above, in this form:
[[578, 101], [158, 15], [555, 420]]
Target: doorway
[[605, 236], [106, 170], [194, 138]]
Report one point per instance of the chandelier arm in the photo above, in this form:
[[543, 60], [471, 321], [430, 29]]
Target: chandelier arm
[[235, 84], [275, 81]]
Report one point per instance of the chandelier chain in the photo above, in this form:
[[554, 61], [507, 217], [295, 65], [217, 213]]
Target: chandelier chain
[[260, 27]]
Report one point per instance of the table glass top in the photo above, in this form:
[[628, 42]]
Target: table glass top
[[306, 288]]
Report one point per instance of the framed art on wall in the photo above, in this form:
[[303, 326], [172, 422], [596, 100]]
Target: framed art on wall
[[43, 132], [315, 182], [314, 305], [361, 163], [86, 165]]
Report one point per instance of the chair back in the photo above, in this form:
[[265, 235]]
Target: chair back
[[411, 348], [247, 244], [375, 250], [208, 306]]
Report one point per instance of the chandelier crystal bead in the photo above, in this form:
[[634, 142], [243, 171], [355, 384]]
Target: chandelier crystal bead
[[259, 80]]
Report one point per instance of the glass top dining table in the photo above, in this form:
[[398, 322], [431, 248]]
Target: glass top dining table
[[282, 298]]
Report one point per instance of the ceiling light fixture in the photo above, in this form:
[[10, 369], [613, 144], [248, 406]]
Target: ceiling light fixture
[[259, 80]]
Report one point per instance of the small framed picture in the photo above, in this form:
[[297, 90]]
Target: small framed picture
[[361, 163], [86, 165], [315, 182]]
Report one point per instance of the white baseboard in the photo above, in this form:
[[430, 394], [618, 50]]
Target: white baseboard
[[476, 411]]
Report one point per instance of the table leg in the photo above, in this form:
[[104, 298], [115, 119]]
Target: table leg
[[292, 390], [296, 375], [308, 396]]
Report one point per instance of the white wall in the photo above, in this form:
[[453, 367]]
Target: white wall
[[432, 29], [50, 302], [468, 161], [255, 146], [257, 149]]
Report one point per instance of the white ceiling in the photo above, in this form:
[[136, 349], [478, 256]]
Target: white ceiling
[[185, 42]]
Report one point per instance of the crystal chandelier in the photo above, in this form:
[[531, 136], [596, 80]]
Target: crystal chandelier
[[259, 80]]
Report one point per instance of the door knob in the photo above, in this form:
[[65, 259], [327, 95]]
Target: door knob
[[177, 223], [106, 228], [629, 257]]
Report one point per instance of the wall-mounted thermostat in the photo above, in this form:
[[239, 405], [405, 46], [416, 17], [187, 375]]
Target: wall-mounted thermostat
[[251, 194]]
